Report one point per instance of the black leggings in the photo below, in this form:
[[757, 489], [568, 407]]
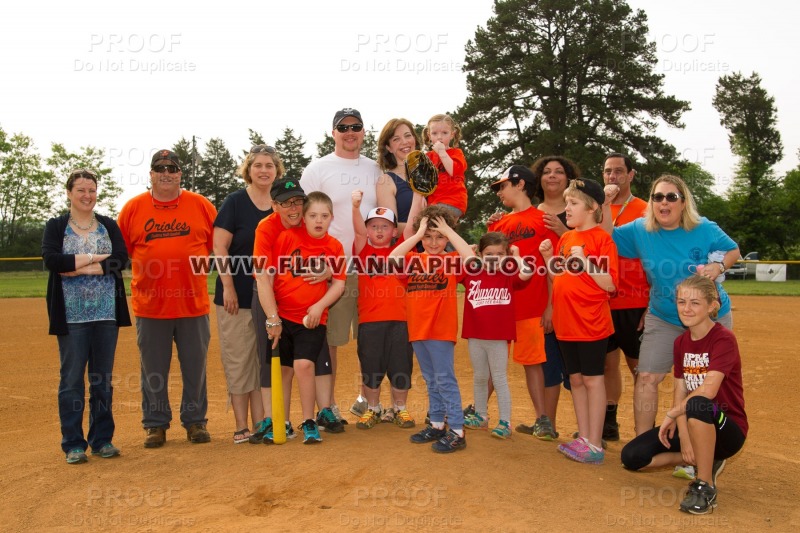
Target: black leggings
[[639, 452]]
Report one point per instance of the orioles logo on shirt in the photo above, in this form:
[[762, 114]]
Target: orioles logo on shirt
[[298, 266], [521, 233], [426, 282], [165, 230]]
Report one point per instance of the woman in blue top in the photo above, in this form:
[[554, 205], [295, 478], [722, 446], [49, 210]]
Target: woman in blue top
[[673, 241], [396, 140], [85, 254]]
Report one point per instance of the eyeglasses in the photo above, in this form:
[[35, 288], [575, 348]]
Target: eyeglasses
[[296, 202], [671, 197], [83, 173], [172, 169], [342, 128], [260, 148]]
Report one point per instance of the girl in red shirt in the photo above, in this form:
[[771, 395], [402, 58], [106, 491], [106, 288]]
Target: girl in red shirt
[[439, 134]]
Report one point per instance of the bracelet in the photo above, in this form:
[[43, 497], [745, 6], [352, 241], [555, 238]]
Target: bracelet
[[672, 417], [272, 316], [91, 258], [273, 324], [722, 267]]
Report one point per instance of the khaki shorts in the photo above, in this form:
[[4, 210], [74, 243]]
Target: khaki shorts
[[656, 352], [343, 315], [237, 348], [529, 346]]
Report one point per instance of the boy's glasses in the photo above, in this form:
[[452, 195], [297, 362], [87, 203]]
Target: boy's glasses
[[261, 148], [296, 202], [171, 169], [671, 197], [342, 128]]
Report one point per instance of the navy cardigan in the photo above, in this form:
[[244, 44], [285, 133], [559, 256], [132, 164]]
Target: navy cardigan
[[57, 262]]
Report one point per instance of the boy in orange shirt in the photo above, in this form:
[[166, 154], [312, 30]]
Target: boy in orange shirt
[[299, 310], [432, 314], [584, 273], [383, 347]]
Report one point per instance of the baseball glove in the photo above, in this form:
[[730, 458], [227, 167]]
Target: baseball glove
[[422, 174]]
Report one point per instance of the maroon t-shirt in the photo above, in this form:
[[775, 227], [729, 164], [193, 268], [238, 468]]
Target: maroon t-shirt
[[489, 305], [716, 351]]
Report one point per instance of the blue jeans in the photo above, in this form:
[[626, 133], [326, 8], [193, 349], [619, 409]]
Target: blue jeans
[[92, 344], [437, 361]]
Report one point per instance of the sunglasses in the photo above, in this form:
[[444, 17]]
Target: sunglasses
[[261, 148], [172, 169], [165, 206], [671, 197], [342, 128], [292, 203], [83, 173]]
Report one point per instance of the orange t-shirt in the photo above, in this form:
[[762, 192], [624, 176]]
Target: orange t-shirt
[[160, 243], [267, 233], [451, 190], [633, 291], [381, 297], [580, 307], [431, 306], [292, 253], [526, 231]]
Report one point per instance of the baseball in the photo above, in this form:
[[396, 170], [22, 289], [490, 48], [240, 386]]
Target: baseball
[[307, 321]]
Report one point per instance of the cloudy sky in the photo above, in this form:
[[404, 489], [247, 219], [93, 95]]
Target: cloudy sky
[[135, 79]]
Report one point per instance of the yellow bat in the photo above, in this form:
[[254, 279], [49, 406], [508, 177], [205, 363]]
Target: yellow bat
[[278, 417]]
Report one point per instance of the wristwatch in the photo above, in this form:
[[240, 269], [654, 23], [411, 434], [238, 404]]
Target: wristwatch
[[721, 266]]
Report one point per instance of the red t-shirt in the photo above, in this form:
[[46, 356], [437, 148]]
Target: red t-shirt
[[267, 233], [633, 291], [717, 351], [431, 306], [489, 302], [580, 307], [160, 244], [451, 190], [381, 297], [292, 255], [526, 230]]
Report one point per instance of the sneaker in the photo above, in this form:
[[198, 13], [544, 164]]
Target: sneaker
[[327, 421], [469, 410], [338, 414], [76, 456], [450, 443], [107, 451], [310, 432], [523, 428], [403, 419], [155, 437], [198, 434], [359, 406], [716, 470], [611, 432], [577, 435], [429, 434], [290, 434], [566, 447], [368, 420], [476, 421], [257, 437], [269, 436], [580, 451], [543, 429], [502, 431], [701, 498], [388, 415], [684, 472]]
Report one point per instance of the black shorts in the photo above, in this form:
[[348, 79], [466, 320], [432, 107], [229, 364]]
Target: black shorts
[[383, 349], [587, 358], [626, 337], [299, 342]]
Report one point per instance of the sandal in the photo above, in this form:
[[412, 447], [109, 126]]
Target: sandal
[[243, 435]]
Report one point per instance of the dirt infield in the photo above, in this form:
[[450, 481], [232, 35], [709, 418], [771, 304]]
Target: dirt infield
[[376, 479]]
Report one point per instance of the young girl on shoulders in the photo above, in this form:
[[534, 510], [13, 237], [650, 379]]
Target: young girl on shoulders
[[441, 135]]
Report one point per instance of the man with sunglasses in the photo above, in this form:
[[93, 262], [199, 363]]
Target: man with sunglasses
[[163, 228], [338, 174]]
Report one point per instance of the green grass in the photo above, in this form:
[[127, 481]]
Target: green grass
[[33, 284]]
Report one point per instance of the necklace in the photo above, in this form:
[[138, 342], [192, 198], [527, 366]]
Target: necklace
[[87, 228], [630, 197]]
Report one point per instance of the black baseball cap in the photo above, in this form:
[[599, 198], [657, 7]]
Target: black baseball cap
[[592, 188], [344, 113], [161, 155], [515, 172], [285, 188]]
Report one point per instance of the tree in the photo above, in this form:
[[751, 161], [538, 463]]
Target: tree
[[290, 148], [217, 178], [749, 114], [255, 138], [26, 189], [327, 146], [573, 78], [189, 160], [61, 162]]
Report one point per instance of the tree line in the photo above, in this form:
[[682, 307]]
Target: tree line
[[544, 77]]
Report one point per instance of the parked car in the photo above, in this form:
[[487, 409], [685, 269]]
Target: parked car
[[742, 270]]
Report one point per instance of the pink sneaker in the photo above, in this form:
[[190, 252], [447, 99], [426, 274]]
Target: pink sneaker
[[568, 448], [583, 453]]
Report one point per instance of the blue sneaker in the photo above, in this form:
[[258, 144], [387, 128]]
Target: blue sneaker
[[269, 436], [429, 434], [310, 432], [450, 443], [107, 451], [76, 456], [261, 429], [328, 421]]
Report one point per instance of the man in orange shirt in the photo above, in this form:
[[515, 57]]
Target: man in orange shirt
[[629, 302], [163, 229]]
